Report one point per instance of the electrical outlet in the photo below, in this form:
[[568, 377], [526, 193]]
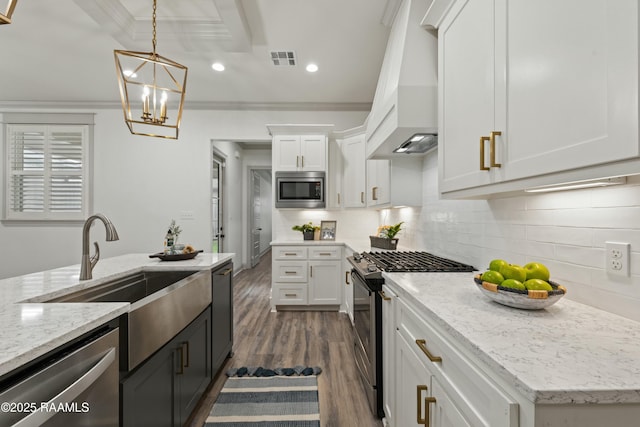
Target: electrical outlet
[[617, 258]]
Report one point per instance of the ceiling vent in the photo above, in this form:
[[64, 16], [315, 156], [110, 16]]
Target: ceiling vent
[[283, 57]]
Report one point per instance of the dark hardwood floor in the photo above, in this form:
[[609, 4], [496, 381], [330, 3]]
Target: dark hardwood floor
[[289, 338]]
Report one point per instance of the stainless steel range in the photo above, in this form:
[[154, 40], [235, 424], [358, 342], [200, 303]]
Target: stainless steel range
[[367, 281]]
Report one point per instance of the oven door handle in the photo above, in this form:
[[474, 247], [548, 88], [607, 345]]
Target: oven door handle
[[359, 366], [70, 393]]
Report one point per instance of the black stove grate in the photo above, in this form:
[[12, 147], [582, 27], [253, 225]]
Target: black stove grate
[[414, 262]]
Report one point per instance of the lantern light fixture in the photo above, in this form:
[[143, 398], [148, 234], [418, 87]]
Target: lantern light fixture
[[152, 90], [6, 18]]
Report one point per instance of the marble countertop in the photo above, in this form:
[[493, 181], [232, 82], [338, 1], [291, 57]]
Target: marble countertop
[[566, 353], [31, 328]]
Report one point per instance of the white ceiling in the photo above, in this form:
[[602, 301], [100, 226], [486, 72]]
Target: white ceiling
[[62, 51]]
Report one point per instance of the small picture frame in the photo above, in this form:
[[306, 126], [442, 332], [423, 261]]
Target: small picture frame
[[328, 230]]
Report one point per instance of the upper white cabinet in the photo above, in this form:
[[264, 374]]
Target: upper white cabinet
[[354, 171], [535, 90], [396, 182], [299, 147]]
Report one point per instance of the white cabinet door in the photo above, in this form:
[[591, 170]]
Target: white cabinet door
[[353, 149], [286, 153], [324, 282], [413, 386], [443, 411], [334, 176], [348, 289], [573, 88], [518, 103], [313, 152], [388, 355], [378, 182], [467, 92]]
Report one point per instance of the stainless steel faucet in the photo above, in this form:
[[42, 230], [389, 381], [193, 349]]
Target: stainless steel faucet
[[88, 263]]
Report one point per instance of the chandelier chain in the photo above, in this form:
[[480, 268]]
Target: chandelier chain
[[154, 27]]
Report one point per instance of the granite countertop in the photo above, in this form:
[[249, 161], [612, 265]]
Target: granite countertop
[[31, 328], [566, 353]]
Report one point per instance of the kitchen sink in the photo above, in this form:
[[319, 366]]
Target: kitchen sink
[[162, 304]]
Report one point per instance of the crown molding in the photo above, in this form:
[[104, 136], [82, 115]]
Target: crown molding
[[193, 105]]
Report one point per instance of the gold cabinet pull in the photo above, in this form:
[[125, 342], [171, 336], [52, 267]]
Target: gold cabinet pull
[[346, 277], [362, 197], [302, 161], [181, 368], [290, 254], [290, 295], [419, 418], [297, 161], [289, 272], [226, 272], [338, 199], [427, 414], [186, 357], [483, 139], [423, 346], [492, 148], [374, 193], [311, 270], [384, 296], [324, 253]]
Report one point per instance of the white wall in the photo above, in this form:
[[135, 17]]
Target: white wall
[[353, 224], [564, 230], [141, 183]]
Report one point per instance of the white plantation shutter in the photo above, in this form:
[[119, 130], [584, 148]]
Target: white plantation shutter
[[46, 172]]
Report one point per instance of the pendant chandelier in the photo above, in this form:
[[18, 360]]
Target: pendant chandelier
[[6, 18], [152, 90]]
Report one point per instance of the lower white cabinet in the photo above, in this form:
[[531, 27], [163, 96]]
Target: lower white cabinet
[[306, 275], [389, 300], [450, 388]]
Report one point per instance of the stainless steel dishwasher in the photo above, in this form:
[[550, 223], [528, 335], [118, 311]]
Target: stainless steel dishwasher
[[77, 386]]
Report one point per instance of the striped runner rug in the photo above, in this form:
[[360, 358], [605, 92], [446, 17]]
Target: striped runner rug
[[277, 401]]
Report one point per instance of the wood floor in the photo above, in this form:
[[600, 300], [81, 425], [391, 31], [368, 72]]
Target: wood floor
[[286, 339]]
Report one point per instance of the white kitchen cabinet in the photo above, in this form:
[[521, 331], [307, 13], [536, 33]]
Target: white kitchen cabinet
[[462, 394], [396, 182], [354, 175], [389, 345], [306, 275], [413, 386], [334, 195], [518, 102], [300, 153]]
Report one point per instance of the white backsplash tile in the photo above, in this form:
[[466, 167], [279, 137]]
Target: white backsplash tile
[[565, 230]]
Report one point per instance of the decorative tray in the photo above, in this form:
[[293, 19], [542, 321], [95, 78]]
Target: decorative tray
[[525, 299], [175, 257]]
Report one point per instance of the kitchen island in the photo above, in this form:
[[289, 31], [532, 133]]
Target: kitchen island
[[31, 328], [566, 365]]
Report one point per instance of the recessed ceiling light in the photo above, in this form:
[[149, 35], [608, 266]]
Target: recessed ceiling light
[[217, 66], [312, 68]]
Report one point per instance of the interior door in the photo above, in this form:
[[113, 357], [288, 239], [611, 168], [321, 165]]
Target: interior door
[[255, 223], [217, 176]]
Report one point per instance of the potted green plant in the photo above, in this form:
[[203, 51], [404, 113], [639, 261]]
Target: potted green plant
[[386, 238], [308, 230]]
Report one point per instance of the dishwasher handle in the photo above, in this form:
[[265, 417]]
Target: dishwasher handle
[[72, 392]]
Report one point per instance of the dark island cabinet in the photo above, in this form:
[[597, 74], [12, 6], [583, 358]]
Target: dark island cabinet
[[222, 315], [165, 389]]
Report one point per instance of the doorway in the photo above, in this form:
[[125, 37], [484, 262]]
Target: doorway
[[260, 200], [217, 202]]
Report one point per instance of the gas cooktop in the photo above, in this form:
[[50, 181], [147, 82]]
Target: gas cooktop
[[372, 264]]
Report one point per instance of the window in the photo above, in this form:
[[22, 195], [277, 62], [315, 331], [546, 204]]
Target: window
[[46, 172]]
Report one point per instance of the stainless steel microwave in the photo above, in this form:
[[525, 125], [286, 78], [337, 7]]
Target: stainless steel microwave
[[300, 190]]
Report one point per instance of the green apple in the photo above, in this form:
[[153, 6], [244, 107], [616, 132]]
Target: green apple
[[496, 264], [492, 277], [513, 271], [513, 283], [537, 285], [535, 270]]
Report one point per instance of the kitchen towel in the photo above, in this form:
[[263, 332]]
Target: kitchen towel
[[271, 401]]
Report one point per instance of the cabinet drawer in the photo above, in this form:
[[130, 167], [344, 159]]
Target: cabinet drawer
[[289, 252], [289, 294], [481, 401], [289, 271], [325, 252]]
